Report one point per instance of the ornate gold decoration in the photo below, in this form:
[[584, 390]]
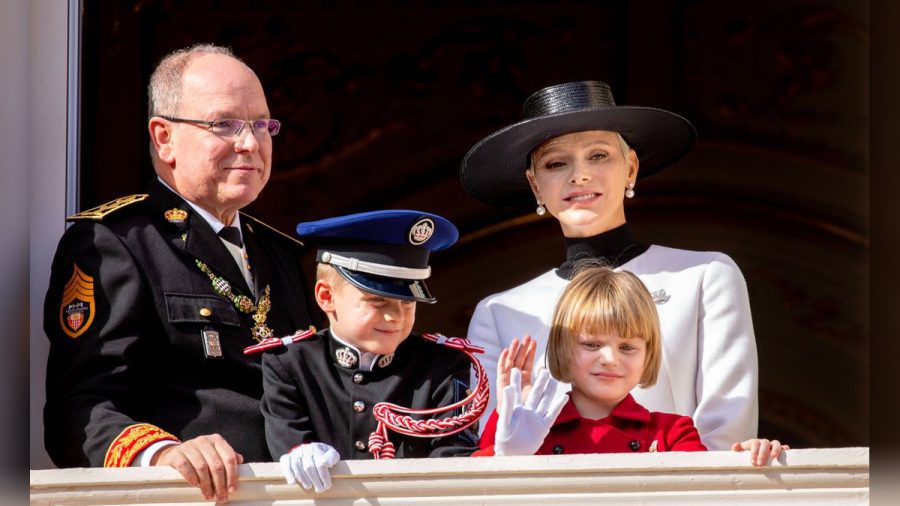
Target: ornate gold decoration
[[99, 212], [221, 286], [176, 215], [133, 440]]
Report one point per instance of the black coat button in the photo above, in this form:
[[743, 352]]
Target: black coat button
[[635, 445], [557, 449]]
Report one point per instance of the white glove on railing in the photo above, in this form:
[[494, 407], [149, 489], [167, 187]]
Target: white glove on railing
[[308, 464], [521, 429]]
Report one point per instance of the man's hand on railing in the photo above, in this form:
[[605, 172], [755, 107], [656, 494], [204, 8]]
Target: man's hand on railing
[[521, 428], [208, 462], [309, 465]]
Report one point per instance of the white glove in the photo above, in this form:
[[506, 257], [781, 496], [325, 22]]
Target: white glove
[[309, 464], [521, 429]]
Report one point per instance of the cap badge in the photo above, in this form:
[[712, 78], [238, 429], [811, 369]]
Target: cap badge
[[76, 311], [421, 231], [345, 357], [176, 215]]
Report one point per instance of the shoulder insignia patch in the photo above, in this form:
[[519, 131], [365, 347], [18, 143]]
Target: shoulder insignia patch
[[269, 227], [100, 212], [76, 311]]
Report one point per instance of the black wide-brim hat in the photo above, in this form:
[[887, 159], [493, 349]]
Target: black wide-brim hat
[[493, 171]]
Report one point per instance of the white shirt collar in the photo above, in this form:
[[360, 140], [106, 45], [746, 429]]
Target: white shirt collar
[[214, 222]]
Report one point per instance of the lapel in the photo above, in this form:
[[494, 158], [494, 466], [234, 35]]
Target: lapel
[[259, 264], [195, 237]]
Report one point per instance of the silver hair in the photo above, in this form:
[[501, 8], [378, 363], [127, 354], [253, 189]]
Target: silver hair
[[164, 90]]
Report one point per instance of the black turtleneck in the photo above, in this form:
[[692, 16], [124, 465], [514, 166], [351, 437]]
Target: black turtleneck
[[613, 247]]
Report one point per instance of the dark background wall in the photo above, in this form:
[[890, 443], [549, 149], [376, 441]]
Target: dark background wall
[[380, 104]]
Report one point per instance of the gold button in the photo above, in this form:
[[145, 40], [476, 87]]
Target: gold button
[[205, 312]]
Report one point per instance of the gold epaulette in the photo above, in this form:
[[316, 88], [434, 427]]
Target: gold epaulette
[[270, 227], [132, 441], [99, 212]]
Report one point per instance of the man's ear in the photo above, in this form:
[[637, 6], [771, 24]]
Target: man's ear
[[161, 137], [529, 174], [324, 296]]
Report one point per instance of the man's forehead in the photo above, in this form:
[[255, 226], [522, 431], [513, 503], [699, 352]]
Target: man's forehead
[[218, 84]]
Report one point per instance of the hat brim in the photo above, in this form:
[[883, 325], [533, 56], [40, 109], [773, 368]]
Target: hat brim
[[393, 288], [493, 171]]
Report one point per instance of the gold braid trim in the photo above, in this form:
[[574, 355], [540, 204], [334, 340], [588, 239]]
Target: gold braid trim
[[100, 212], [133, 440]]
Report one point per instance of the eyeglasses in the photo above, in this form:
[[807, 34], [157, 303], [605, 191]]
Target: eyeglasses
[[229, 127]]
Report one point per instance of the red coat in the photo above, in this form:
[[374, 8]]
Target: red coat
[[628, 428]]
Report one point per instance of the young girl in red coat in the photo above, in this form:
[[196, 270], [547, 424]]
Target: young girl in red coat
[[604, 340]]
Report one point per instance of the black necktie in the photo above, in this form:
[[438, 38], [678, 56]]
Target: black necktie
[[232, 235]]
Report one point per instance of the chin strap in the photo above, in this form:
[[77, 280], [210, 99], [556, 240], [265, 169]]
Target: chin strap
[[396, 418]]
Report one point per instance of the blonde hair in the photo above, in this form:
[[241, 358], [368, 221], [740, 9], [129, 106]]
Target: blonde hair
[[330, 275], [623, 146], [602, 301]]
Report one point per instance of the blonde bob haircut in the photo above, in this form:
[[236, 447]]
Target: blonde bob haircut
[[601, 301]]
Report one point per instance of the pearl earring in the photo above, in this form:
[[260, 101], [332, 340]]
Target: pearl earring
[[541, 210], [629, 192]]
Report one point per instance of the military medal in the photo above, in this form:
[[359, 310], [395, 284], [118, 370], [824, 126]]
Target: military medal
[[244, 304], [211, 345]]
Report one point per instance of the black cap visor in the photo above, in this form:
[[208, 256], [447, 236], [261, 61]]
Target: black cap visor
[[394, 288]]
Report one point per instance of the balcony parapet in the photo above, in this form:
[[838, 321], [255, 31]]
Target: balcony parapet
[[810, 476]]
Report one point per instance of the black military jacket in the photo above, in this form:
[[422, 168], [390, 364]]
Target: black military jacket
[[131, 351], [309, 396]]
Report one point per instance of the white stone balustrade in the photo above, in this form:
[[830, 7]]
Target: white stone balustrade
[[811, 476]]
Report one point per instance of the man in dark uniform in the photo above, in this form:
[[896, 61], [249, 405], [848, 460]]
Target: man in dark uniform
[[320, 390], [153, 297]]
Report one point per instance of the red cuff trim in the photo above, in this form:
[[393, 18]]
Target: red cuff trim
[[132, 441]]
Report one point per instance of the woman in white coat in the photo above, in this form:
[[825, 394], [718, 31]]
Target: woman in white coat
[[578, 155]]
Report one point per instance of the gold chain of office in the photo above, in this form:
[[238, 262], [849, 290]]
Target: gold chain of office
[[244, 304]]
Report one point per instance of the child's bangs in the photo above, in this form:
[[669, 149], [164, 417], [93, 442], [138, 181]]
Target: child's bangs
[[603, 313]]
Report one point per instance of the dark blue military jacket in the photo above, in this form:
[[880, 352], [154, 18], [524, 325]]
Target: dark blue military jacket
[[125, 313], [314, 393]]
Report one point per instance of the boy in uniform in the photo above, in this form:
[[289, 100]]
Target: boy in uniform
[[320, 389]]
